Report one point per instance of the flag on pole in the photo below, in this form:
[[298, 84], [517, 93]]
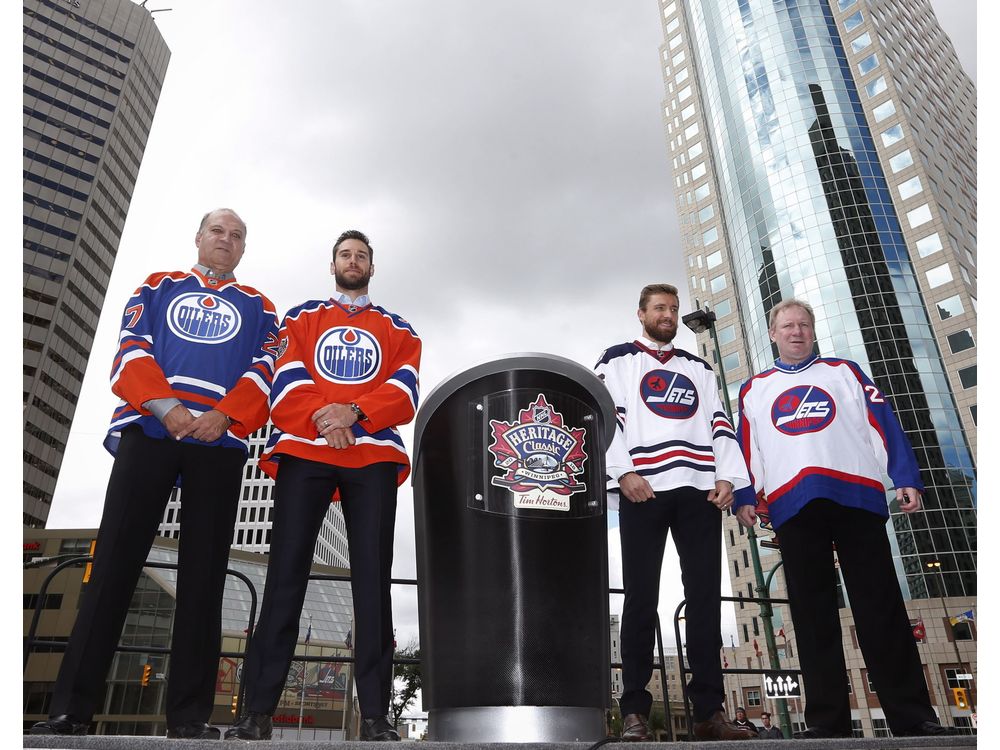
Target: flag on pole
[[756, 648], [309, 631], [967, 616], [725, 661], [347, 638]]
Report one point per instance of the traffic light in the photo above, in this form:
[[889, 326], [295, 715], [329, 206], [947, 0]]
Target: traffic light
[[960, 697], [147, 670], [236, 700]]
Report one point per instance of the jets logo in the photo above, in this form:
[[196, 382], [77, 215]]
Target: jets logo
[[669, 394], [203, 318], [346, 354], [803, 409], [541, 459]]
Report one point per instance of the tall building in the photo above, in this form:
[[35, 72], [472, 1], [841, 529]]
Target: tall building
[[93, 70], [256, 514], [825, 150]]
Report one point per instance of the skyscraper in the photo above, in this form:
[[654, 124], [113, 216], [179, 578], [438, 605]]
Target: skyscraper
[[93, 70], [824, 149]]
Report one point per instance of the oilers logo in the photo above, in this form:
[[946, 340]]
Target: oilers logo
[[669, 394], [541, 458], [803, 409], [345, 354], [203, 318]]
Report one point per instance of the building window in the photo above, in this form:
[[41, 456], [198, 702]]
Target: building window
[[910, 188], [867, 66], [751, 697], [718, 284], [861, 42], [853, 21], [929, 245], [919, 216], [713, 260], [961, 340], [702, 192], [672, 26], [845, 4], [706, 213], [901, 161], [876, 87], [690, 131], [698, 171], [684, 93], [723, 308], [727, 335], [868, 681], [678, 58], [731, 361], [949, 308], [892, 135], [974, 412], [710, 236], [939, 275], [856, 729], [675, 42], [881, 728], [885, 110]]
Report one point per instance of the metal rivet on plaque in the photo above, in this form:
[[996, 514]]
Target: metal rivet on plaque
[[479, 407], [479, 497]]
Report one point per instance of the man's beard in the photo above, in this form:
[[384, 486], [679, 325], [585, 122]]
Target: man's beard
[[660, 336], [352, 286]]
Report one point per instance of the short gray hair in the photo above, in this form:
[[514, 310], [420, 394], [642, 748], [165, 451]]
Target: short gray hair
[[784, 305]]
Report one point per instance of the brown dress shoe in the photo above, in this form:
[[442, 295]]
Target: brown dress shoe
[[634, 728], [718, 727]]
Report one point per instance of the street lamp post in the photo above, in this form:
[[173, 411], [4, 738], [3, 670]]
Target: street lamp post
[[936, 565], [700, 321]]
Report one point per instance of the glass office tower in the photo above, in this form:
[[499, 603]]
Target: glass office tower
[[824, 150]]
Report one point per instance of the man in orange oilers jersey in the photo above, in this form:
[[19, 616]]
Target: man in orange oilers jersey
[[193, 369], [346, 377]]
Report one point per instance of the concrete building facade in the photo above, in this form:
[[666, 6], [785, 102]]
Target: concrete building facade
[[93, 70]]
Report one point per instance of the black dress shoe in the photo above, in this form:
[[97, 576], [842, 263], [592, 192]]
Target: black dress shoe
[[378, 730], [635, 728], [194, 730], [253, 726], [818, 733], [928, 729], [61, 724]]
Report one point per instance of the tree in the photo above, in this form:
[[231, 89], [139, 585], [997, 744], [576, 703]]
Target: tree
[[406, 681]]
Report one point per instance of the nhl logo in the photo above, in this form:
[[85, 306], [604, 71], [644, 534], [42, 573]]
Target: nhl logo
[[541, 459]]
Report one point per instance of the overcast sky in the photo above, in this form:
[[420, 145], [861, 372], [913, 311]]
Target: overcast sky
[[507, 160]]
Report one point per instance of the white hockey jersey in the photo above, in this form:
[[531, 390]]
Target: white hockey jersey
[[821, 428], [672, 429]]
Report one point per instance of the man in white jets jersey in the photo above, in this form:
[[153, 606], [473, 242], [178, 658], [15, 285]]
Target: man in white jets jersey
[[675, 463], [818, 435]]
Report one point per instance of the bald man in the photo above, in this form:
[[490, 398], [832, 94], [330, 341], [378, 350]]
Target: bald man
[[193, 369]]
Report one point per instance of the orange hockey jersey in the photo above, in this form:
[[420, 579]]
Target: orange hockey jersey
[[329, 354]]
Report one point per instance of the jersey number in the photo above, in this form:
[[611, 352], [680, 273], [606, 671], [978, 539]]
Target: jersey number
[[873, 395], [135, 312]]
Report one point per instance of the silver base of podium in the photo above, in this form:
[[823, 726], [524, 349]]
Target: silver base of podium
[[516, 724]]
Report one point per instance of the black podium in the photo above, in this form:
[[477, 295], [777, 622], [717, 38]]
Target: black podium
[[512, 564]]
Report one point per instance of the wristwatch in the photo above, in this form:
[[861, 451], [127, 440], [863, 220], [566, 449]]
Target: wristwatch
[[358, 413]]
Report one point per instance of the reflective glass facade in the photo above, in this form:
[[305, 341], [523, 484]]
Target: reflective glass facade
[[806, 211]]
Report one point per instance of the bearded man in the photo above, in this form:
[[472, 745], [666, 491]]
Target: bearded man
[[675, 463]]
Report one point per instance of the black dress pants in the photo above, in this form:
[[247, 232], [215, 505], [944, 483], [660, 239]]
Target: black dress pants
[[697, 531], [880, 618], [302, 496], [143, 474]]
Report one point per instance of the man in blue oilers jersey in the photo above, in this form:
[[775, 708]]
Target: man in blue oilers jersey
[[675, 463], [193, 370], [818, 436]]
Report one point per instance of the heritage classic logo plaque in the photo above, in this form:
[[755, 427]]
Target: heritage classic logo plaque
[[541, 459]]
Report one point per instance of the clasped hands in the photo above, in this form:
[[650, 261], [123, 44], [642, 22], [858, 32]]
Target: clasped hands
[[206, 427], [333, 422], [637, 489]]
